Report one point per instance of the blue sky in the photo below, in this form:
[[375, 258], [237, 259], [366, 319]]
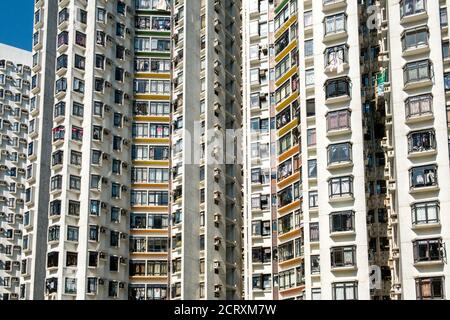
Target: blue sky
[[16, 23]]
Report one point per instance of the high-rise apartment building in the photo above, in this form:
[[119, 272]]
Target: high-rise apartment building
[[150, 215], [206, 203], [224, 149], [15, 84], [114, 151], [258, 209], [417, 146], [83, 149], [364, 224]]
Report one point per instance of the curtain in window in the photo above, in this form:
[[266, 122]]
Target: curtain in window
[[339, 293]]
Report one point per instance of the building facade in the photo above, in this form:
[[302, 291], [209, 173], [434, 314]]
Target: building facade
[[206, 204], [417, 147], [220, 149], [15, 84], [363, 233], [150, 215]]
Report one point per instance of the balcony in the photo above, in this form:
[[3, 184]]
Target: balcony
[[333, 5]]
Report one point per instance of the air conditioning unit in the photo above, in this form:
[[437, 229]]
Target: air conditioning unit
[[124, 165], [107, 108], [217, 217], [217, 290], [123, 212], [104, 180], [104, 205], [217, 24], [101, 281], [123, 235], [217, 126], [126, 142], [14, 296], [106, 131], [106, 156], [217, 172], [216, 195], [217, 241], [102, 230], [121, 285], [102, 255], [123, 260], [124, 188]]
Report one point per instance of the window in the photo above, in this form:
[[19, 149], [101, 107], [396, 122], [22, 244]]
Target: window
[[340, 186], [52, 259], [53, 233], [158, 221], [91, 285], [286, 251], [443, 17], [310, 107], [61, 62], [157, 244], [313, 199], [77, 109], [447, 82], [413, 38], [284, 170], [309, 77], [428, 250], [419, 105], [72, 233], [343, 256], [341, 152], [77, 133], [316, 294], [114, 239], [61, 85], [410, 7], [75, 158], [315, 264], [417, 71], [80, 39], [335, 23], [285, 197], [424, 176], [425, 212], [337, 87], [113, 288], [312, 168], [70, 286], [75, 182], [314, 232], [284, 143], [430, 288], [74, 208], [80, 62], [56, 183], [345, 290], [94, 209], [71, 259], [336, 56], [93, 233], [342, 221], [420, 141]]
